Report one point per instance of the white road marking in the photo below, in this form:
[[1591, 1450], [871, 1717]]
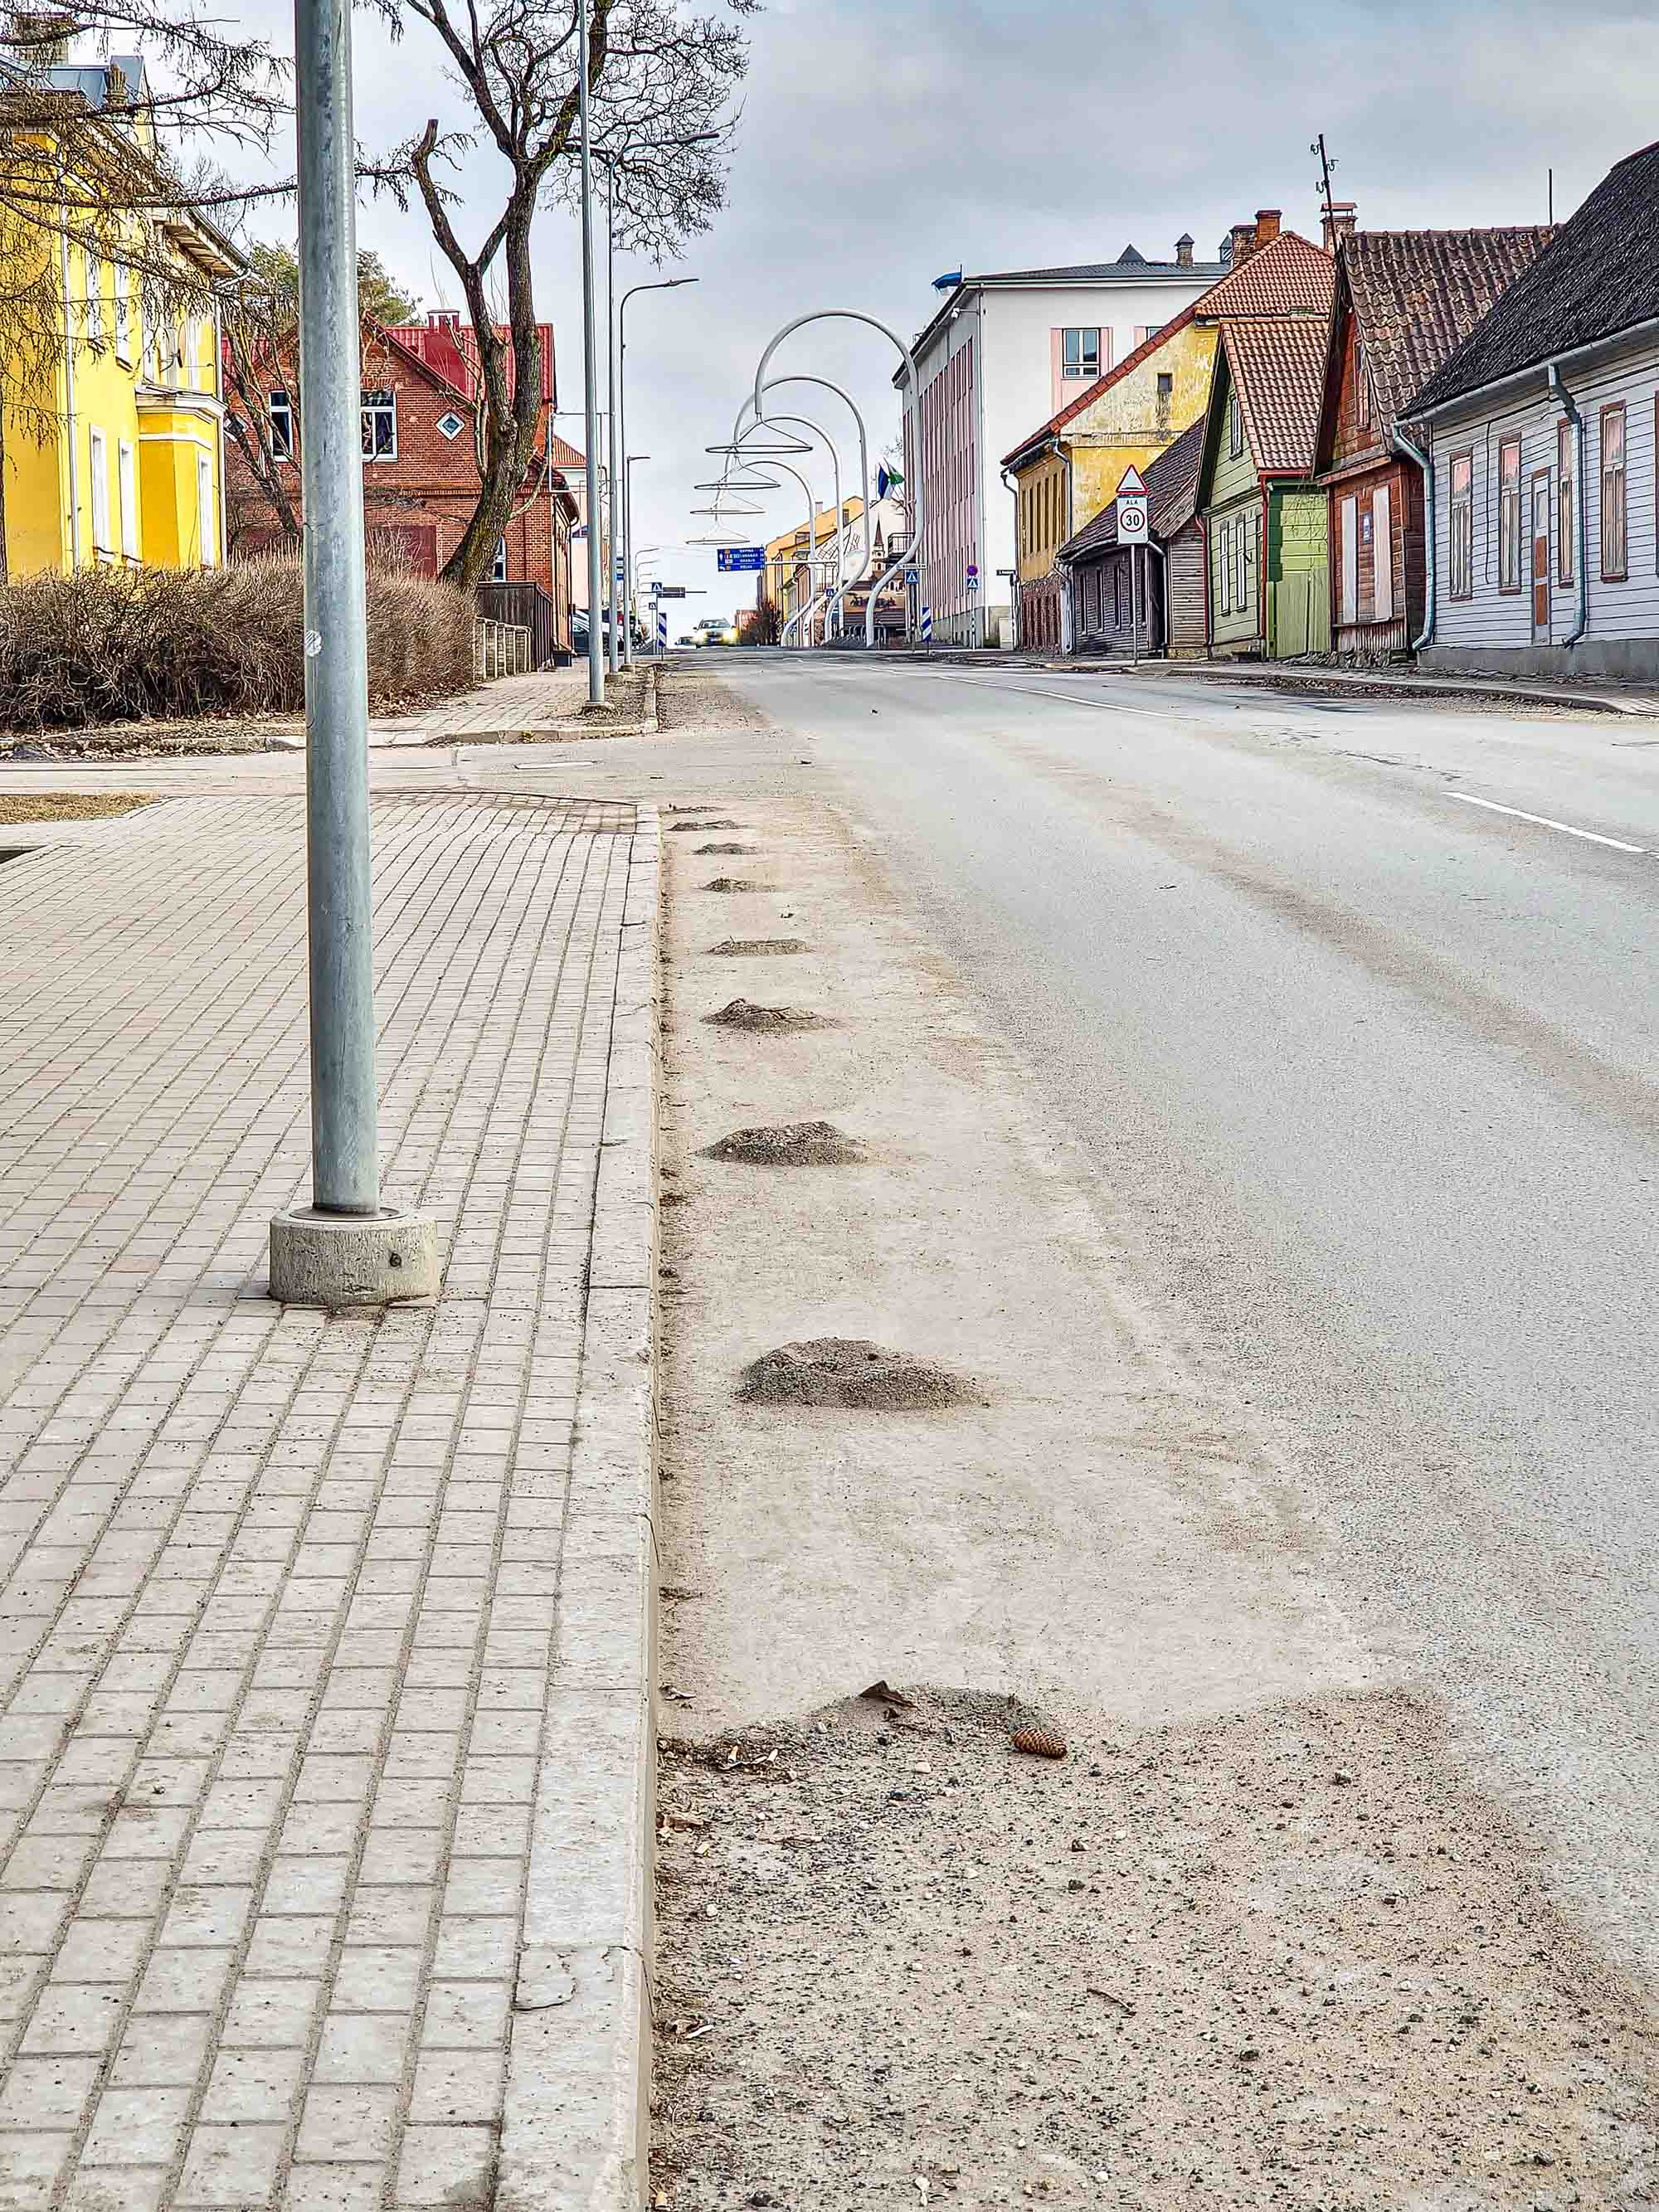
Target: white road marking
[[1546, 822]]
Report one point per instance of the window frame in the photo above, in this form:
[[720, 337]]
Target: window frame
[[126, 493], [1509, 518], [1466, 458], [498, 563], [1621, 574], [1362, 389], [1566, 516], [382, 401], [279, 404], [98, 485], [121, 279], [93, 263], [207, 512], [1080, 372], [1241, 580], [1235, 425]]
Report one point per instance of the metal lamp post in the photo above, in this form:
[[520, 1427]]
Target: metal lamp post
[[590, 364], [630, 595], [661, 284], [824, 385], [344, 1248]]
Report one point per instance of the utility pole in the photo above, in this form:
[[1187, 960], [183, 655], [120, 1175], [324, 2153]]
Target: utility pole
[[344, 1248], [596, 602], [1326, 166]]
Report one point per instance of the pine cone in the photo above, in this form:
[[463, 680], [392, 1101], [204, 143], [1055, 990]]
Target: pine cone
[[1040, 1743]]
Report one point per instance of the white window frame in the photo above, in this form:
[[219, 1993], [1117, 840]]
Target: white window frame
[[1235, 425], [498, 566], [1382, 553], [381, 402], [126, 485], [1242, 551], [123, 282], [98, 471], [94, 323], [1460, 527], [1081, 372], [206, 513], [1224, 567], [279, 408]]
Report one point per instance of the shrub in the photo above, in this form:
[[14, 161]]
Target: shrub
[[107, 645]]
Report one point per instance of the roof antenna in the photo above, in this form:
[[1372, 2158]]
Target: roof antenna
[[1326, 165]]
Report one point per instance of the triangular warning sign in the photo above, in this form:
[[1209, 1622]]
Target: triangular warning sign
[[1133, 482]]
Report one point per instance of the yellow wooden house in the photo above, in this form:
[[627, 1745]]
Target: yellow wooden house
[[114, 446]]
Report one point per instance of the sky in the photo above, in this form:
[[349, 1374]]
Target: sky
[[880, 146]]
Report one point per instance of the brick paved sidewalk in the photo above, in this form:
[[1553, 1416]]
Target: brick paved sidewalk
[[551, 699], [280, 1627]]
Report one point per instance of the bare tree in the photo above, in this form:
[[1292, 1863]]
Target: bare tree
[[661, 81]]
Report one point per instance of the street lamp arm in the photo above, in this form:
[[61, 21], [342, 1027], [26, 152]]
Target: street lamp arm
[[913, 400], [824, 384]]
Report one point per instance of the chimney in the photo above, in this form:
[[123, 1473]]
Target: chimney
[[1184, 249], [1340, 220], [1241, 242], [1267, 225]]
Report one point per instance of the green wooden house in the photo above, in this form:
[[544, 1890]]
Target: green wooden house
[[1266, 524]]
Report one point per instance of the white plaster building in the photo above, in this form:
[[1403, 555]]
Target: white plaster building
[[1002, 352]]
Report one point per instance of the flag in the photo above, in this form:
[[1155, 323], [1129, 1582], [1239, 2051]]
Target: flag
[[949, 282], [887, 480]]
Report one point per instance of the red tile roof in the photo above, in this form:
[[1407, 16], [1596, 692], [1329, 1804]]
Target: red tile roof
[[1288, 277], [444, 342], [563, 456], [1291, 276], [1278, 367]]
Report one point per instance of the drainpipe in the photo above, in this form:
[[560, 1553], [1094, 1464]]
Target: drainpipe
[[69, 379], [1016, 611], [1402, 444], [1569, 408]]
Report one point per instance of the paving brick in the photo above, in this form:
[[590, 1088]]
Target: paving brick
[[278, 1592]]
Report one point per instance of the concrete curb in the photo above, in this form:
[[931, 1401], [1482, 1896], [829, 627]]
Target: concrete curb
[[575, 2133]]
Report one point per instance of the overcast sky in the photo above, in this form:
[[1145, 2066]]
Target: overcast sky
[[881, 146]]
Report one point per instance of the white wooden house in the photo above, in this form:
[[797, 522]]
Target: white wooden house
[[1540, 434]]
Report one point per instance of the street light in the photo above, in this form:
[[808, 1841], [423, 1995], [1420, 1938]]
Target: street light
[[661, 284], [345, 1249], [824, 385], [631, 592], [590, 364]]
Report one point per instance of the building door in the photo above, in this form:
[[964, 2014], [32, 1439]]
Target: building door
[[1540, 557], [1350, 560], [1382, 555], [207, 521]]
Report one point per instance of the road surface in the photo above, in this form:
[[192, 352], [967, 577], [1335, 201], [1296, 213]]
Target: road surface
[[1368, 1064]]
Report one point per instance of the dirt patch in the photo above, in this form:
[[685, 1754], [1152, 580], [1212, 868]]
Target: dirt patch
[[850, 1372], [680, 827], [702, 849], [1284, 1959], [70, 806], [735, 883], [689, 697], [745, 1014], [789, 1144], [121, 741], [755, 947]]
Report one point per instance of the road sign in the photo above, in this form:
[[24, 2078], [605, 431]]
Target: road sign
[[740, 557], [927, 625], [669, 591], [1132, 509], [973, 574], [913, 577]]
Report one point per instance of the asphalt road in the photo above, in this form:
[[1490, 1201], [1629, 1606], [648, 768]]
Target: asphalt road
[[1372, 1074]]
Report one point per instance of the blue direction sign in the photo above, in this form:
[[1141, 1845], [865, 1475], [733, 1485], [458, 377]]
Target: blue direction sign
[[741, 556]]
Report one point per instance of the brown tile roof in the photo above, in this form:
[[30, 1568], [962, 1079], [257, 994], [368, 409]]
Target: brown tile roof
[[1291, 276], [1279, 367], [1418, 294], [1171, 480], [561, 455], [1598, 276], [1288, 278]]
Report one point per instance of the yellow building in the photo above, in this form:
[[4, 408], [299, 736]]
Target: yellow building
[[782, 582], [1068, 470], [113, 431]]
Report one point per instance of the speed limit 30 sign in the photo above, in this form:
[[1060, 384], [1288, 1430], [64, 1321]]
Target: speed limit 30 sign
[[1132, 509]]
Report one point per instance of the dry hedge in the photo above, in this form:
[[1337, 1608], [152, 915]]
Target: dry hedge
[[112, 645]]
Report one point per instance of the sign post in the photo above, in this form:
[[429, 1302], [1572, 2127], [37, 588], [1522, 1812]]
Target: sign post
[[1132, 528]]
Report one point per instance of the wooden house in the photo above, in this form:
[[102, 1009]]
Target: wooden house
[[1169, 593], [1404, 301], [1543, 553]]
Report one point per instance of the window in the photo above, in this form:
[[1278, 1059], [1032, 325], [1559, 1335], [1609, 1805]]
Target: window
[[207, 530], [1461, 527], [282, 426], [1165, 389], [1566, 521], [451, 425], [1079, 352], [1614, 565], [1234, 425], [94, 298], [1509, 515], [97, 456], [498, 566], [1225, 563], [1362, 389], [379, 426], [127, 492], [123, 310], [1241, 560]]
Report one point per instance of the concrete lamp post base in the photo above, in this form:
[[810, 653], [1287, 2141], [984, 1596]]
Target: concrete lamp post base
[[350, 1260]]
